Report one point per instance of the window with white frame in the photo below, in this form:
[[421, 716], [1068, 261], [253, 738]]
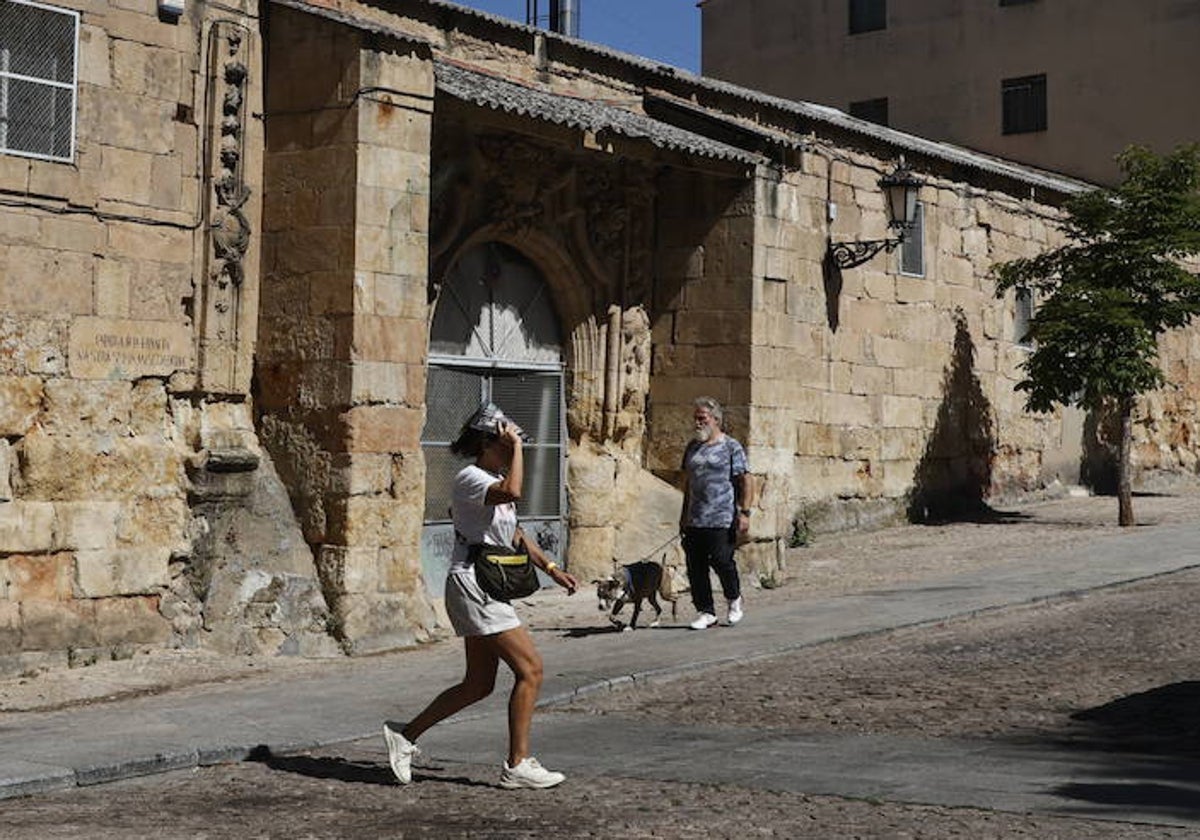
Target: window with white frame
[[39, 46], [1023, 317], [912, 249]]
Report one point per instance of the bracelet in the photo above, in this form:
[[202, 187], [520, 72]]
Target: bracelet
[[550, 567]]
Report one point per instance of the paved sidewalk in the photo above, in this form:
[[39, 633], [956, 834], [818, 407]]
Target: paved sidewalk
[[346, 701]]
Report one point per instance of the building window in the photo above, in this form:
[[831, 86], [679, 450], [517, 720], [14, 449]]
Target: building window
[[871, 110], [867, 15], [1023, 102], [38, 46], [1023, 317], [912, 249]]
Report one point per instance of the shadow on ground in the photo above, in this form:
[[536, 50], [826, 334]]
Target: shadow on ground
[[1149, 746]]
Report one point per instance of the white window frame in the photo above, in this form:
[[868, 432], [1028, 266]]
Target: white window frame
[[6, 76]]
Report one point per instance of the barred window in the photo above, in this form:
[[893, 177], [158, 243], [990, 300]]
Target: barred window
[[1023, 104], [912, 249], [1023, 317], [38, 49]]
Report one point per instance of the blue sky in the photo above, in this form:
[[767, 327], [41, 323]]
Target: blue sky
[[665, 30]]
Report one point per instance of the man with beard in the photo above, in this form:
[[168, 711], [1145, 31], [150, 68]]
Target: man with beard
[[716, 509]]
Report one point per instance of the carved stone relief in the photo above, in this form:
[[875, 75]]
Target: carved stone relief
[[227, 228]]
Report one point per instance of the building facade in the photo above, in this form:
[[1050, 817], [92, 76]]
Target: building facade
[[1060, 85], [286, 251]]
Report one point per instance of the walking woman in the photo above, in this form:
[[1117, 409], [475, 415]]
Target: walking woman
[[483, 506]]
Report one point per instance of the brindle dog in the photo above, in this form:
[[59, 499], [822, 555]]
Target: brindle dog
[[635, 582]]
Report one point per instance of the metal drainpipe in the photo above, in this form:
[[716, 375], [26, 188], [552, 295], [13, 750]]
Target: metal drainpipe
[[564, 17]]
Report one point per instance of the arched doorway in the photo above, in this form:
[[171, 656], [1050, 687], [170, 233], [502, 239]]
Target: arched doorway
[[495, 336]]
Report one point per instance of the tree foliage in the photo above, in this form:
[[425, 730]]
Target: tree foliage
[[1118, 283]]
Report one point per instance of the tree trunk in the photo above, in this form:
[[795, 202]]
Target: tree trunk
[[1124, 489]]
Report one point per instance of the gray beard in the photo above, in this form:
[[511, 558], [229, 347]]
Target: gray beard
[[703, 434]]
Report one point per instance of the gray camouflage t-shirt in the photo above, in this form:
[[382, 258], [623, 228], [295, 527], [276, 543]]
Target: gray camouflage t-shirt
[[711, 470]]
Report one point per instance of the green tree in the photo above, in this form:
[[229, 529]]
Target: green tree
[[1111, 291]]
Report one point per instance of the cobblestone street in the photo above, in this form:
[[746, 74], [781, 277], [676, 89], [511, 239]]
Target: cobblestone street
[[1109, 674]]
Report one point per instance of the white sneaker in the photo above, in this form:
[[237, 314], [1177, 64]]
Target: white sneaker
[[735, 610], [703, 621], [400, 754], [529, 773]]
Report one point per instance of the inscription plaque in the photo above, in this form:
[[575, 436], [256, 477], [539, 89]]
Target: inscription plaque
[[110, 348]]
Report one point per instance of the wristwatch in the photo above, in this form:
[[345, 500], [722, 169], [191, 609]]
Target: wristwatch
[[744, 511]]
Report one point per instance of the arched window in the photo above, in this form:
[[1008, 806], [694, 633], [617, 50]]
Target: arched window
[[495, 337]]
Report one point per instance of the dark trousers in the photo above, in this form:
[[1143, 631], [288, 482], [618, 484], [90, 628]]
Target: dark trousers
[[710, 548]]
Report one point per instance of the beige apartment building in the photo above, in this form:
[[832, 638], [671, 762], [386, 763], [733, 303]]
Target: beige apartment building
[[1063, 85], [259, 260]]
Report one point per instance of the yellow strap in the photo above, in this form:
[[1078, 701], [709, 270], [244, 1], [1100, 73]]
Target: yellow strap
[[508, 559]]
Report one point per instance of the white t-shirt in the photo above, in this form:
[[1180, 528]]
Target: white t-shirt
[[477, 521]]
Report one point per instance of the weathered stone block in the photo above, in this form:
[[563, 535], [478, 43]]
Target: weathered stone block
[[590, 552], [86, 525], [121, 571], [44, 577], [10, 627], [373, 521], [20, 402], [591, 485], [372, 428], [57, 625], [360, 474], [379, 382], [75, 406], [133, 620], [26, 527], [160, 520], [346, 570], [99, 467]]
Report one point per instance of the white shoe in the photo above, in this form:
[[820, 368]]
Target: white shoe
[[735, 610], [400, 754], [529, 773], [703, 621]]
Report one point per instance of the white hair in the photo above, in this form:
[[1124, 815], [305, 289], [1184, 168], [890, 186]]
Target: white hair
[[711, 406]]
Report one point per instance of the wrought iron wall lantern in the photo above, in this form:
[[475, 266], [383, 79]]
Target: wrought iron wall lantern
[[901, 189]]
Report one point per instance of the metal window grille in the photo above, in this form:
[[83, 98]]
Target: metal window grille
[[533, 399], [38, 51], [867, 15], [495, 337], [912, 249], [1023, 104], [1023, 317]]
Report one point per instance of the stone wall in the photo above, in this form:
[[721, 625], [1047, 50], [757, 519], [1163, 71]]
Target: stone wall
[[341, 364], [128, 286]]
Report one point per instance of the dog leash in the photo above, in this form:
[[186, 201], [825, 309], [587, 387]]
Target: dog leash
[[660, 548]]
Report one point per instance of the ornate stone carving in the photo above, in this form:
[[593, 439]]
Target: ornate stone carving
[[227, 227], [519, 178]]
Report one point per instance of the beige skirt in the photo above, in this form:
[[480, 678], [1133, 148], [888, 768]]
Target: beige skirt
[[472, 611]]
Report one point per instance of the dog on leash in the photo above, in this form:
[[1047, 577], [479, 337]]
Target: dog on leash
[[634, 583]]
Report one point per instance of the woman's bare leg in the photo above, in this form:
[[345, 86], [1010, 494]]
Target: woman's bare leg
[[483, 659], [518, 651]]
